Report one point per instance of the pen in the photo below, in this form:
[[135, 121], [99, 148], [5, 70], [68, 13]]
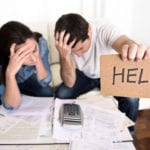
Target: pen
[[2, 115], [122, 141]]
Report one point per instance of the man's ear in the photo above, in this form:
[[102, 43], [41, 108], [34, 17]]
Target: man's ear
[[89, 30]]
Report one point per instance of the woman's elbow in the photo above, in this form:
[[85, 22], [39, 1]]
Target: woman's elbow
[[11, 106]]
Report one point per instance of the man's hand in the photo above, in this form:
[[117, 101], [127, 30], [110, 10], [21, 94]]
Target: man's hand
[[130, 50], [67, 64], [63, 48], [133, 51]]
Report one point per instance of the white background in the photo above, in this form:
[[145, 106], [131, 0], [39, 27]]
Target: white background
[[133, 16]]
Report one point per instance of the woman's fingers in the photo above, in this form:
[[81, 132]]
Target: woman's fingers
[[12, 49]]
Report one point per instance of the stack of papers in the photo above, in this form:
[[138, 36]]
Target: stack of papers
[[100, 145], [29, 123], [36, 147], [37, 121], [101, 127]]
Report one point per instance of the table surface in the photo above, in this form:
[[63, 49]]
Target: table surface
[[93, 98]]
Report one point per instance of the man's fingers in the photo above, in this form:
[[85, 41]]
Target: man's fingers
[[140, 52], [61, 38], [132, 51], [135, 52], [72, 43], [124, 52], [147, 54], [66, 38]]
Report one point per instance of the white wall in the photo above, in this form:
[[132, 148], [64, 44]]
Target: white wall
[[44, 10], [36, 10], [141, 21], [119, 12], [132, 16]]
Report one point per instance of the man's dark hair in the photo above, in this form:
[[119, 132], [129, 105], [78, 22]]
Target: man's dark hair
[[75, 25], [12, 32]]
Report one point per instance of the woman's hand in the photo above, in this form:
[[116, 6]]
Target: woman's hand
[[32, 46], [17, 59]]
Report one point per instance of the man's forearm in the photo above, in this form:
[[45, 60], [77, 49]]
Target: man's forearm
[[68, 73], [117, 45]]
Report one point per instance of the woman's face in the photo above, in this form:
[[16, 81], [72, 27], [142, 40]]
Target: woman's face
[[32, 46]]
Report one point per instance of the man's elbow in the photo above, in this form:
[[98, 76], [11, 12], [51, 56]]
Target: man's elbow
[[70, 84]]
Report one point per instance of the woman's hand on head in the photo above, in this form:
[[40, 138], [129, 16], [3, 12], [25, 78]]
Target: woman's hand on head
[[32, 46], [16, 59]]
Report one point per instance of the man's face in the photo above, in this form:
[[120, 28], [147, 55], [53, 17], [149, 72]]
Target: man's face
[[81, 47]]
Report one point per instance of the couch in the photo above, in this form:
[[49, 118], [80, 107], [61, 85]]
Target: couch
[[47, 29]]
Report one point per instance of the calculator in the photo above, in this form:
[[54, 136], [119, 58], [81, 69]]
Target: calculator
[[71, 114]]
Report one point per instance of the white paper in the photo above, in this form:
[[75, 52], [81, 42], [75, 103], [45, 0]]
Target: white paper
[[96, 99], [123, 146], [91, 145], [6, 123], [101, 127], [100, 145], [32, 120], [35, 147], [98, 123], [59, 131]]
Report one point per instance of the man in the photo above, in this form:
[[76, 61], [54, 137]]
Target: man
[[80, 45]]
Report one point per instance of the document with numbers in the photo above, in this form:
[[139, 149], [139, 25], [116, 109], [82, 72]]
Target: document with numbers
[[30, 123]]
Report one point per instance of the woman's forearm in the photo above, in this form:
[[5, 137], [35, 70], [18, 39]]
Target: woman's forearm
[[12, 95], [41, 70]]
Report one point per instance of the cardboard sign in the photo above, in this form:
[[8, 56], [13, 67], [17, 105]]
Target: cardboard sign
[[124, 78]]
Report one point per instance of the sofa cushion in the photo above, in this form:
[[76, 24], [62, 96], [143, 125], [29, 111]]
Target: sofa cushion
[[54, 57], [56, 79], [40, 27]]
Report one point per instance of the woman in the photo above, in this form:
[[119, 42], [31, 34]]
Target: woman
[[24, 64]]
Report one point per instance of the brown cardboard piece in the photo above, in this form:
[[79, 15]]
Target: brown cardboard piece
[[124, 78]]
